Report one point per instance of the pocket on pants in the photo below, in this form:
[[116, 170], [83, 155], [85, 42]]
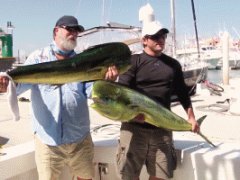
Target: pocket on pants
[[120, 157]]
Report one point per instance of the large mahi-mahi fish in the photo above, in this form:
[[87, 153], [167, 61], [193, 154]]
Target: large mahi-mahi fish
[[120, 103], [89, 65]]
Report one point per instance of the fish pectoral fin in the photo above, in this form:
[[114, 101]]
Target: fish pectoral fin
[[139, 110], [134, 107]]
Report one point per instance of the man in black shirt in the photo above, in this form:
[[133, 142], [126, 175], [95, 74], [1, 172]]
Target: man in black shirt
[[156, 75]]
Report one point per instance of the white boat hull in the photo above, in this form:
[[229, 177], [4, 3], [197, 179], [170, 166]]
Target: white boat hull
[[195, 161]]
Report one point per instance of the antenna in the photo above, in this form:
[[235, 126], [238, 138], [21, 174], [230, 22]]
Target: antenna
[[10, 27]]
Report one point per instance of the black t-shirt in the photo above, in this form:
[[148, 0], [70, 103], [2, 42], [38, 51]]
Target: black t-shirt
[[157, 77]]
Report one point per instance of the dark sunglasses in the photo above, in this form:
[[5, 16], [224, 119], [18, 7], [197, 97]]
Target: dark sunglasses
[[70, 29], [157, 36]]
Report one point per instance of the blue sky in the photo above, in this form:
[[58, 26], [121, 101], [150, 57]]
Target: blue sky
[[34, 20]]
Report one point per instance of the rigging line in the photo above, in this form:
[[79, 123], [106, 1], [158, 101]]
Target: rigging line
[[106, 11], [78, 8], [104, 16], [102, 20], [195, 27], [235, 30], [173, 28], [103, 13], [109, 12], [196, 34]]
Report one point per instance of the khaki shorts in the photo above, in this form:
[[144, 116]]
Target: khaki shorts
[[78, 157], [139, 146]]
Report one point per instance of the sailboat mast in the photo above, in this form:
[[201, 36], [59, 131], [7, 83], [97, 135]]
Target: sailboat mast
[[173, 27], [195, 27]]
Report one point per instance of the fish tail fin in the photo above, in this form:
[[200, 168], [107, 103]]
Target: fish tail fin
[[207, 140], [200, 120]]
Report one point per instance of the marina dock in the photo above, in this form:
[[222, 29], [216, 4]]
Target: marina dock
[[197, 160]]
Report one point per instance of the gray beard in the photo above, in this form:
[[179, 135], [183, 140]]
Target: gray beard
[[68, 44]]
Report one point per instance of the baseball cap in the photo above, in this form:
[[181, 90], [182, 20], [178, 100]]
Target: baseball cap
[[152, 28], [69, 21]]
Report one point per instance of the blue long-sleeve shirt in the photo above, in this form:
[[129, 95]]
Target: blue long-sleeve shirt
[[59, 112]]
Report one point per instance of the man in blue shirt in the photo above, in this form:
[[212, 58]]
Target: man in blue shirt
[[60, 113]]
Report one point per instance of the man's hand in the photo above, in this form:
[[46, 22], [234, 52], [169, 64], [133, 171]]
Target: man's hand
[[195, 125], [3, 84], [192, 120], [112, 73]]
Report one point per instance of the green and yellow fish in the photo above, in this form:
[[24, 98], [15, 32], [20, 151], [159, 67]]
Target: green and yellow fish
[[89, 65], [120, 103]]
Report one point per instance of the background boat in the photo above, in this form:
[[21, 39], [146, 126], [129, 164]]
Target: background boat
[[194, 69], [208, 54]]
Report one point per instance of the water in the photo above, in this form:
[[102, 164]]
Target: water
[[216, 76]]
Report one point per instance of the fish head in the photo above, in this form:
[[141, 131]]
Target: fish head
[[109, 101]]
